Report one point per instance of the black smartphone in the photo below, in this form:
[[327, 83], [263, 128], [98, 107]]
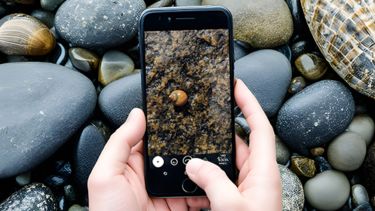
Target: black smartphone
[[187, 80]]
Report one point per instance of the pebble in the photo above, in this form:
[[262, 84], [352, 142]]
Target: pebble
[[298, 48], [359, 195], [59, 55], [292, 190], [188, 2], [261, 23], [88, 149], [363, 207], [267, 73], [76, 207], [240, 50], [322, 164], [303, 166], [369, 169], [50, 5], [98, 23], [282, 152], [311, 66], [55, 181], [161, 3], [35, 196], [45, 17], [84, 60], [285, 49], [328, 190], [23, 179], [347, 151], [118, 98], [114, 65], [315, 115], [317, 151], [363, 125], [41, 108], [296, 85], [70, 193]]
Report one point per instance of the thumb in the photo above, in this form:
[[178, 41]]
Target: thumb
[[208, 176]]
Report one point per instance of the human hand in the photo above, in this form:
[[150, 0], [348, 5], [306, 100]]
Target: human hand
[[258, 186], [117, 179]]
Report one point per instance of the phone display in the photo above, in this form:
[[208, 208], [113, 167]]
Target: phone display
[[188, 98]]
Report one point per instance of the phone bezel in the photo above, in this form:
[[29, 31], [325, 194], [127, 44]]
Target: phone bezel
[[205, 17]]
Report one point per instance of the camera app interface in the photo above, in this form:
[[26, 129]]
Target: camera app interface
[[188, 96]]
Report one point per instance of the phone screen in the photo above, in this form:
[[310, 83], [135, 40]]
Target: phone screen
[[193, 66]]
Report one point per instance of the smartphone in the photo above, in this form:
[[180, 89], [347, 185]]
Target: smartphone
[[187, 80]]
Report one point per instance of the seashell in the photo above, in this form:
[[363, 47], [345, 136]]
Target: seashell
[[21, 34], [345, 34], [178, 97]]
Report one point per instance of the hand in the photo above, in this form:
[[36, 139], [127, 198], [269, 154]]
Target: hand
[[117, 180], [258, 186]]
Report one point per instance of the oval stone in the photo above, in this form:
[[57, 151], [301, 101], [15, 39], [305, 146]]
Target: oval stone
[[315, 115], [42, 105], [292, 190], [98, 23]]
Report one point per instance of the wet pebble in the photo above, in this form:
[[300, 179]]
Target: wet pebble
[[84, 60], [298, 48], [359, 195], [311, 66], [347, 151], [322, 164], [315, 115], [303, 166], [296, 85], [328, 190], [59, 55], [114, 65], [35, 196]]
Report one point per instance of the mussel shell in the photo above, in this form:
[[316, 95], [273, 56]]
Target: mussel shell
[[21, 34], [345, 34]]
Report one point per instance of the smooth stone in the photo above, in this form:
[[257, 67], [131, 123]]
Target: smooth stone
[[76, 207], [63, 168], [292, 190], [45, 17], [322, 164], [55, 181], [88, 149], [42, 106], [347, 151], [303, 166], [98, 23], [296, 85], [311, 66], [84, 60], [315, 115], [328, 190], [14, 59], [282, 152], [363, 125], [35, 196], [188, 2], [261, 23], [23, 179], [161, 3], [297, 14], [61, 202], [59, 55], [317, 151], [240, 50], [50, 5], [118, 98], [363, 207], [298, 48], [114, 65], [359, 195], [267, 73]]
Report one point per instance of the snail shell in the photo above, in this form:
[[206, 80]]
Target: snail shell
[[178, 97], [21, 34], [345, 33]]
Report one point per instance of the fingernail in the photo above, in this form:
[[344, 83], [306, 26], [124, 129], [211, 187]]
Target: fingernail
[[193, 166]]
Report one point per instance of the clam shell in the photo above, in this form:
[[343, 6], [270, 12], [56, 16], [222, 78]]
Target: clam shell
[[344, 30], [21, 34]]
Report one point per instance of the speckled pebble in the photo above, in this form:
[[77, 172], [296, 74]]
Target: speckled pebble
[[292, 191]]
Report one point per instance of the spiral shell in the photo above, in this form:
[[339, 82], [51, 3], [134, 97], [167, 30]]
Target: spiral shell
[[21, 34], [345, 34], [178, 97]]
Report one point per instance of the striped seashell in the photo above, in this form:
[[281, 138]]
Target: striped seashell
[[344, 30]]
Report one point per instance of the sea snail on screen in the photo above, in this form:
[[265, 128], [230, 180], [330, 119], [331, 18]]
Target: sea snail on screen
[[178, 97]]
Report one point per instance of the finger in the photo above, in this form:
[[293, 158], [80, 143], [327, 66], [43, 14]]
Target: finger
[[242, 152], [117, 150], [213, 181], [198, 202], [262, 141], [177, 204]]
